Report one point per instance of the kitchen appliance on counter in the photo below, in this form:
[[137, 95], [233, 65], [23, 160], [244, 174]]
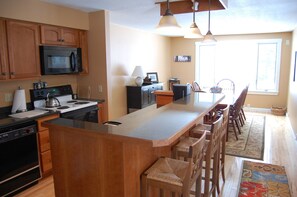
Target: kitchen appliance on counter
[[19, 166], [60, 60], [63, 103]]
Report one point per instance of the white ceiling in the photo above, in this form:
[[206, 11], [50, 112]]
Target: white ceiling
[[241, 16]]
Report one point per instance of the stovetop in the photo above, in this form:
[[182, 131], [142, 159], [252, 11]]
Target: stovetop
[[67, 104], [63, 94]]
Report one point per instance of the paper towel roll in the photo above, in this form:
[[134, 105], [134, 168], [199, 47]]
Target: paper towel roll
[[19, 101]]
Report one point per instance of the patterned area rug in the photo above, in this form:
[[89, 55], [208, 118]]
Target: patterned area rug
[[250, 143], [260, 179]]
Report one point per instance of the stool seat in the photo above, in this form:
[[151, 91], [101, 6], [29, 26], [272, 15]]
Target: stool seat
[[174, 175], [182, 148], [201, 127], [185, 143], [168, 170]]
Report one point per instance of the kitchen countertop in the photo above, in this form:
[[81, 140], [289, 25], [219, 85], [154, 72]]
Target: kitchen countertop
[[126, 150], [10, 121], [6, 120], [160, 125]]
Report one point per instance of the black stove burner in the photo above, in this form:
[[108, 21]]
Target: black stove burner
[[81, 102], [72, 101], [63, 107]]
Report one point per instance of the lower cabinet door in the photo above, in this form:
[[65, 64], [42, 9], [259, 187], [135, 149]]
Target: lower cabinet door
[[46, 162], [44, 140]]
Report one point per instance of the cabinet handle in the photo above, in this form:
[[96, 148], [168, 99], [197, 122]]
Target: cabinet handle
[[62, 40], [3, 73], [12, 73]]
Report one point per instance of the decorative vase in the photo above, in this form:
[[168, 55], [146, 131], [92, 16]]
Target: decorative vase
[[138, 81]]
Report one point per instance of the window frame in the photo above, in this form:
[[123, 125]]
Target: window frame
[[258, 42]]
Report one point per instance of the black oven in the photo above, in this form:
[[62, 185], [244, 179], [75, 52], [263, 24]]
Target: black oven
[[60, 60], [19, 164], [89, 114]]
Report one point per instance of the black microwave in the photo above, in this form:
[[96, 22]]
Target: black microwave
[[60, 60]]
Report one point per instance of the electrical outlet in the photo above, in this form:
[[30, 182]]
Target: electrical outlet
[[8, 97], [100, 88]]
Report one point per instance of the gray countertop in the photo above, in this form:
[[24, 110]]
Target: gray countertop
[[10, 121], [160, 125]]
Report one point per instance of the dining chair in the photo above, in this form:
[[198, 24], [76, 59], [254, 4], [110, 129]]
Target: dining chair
[[175, 175], [196, 87], [246, 89], [234, 115], [227, 85]]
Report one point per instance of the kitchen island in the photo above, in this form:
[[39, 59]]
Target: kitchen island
[[108, 160]]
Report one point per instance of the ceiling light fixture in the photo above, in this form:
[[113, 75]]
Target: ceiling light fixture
[[168, 23], [209, 37], [194, 31]]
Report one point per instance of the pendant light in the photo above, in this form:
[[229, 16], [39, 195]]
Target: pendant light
[[209, 37], [168, 23], [194, 31]]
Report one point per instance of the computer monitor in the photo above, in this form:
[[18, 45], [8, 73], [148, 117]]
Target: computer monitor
[[180, 91]]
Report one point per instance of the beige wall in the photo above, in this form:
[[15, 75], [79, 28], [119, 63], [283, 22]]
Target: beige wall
[[292, 97], [8, 87], [98, 46], [129, 48], [186, 71], [38, 11]]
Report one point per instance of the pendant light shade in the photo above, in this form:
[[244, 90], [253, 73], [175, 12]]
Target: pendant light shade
[[168, 23], [209, 37], [194, 31]]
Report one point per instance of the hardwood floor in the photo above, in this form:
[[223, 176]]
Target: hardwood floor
[[280, 149]]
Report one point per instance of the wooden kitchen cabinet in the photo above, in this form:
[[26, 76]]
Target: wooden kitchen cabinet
[[3, 51], [139, 97], [44, 145], [53, 35], [83, 44], [23, 50]]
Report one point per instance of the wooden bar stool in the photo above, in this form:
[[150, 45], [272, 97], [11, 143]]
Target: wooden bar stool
[[225, 112], [212, 151], [175, 175], [221, 109]]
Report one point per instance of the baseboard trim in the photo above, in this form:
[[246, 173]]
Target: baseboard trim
[[256, 109]]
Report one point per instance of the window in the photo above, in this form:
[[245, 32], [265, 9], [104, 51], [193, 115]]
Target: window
[[253, 62]]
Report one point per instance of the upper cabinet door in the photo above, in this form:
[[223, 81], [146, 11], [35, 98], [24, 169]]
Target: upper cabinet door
[[23, 49], [50, 35], [4, 71], [53, 35], [70, 37]]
